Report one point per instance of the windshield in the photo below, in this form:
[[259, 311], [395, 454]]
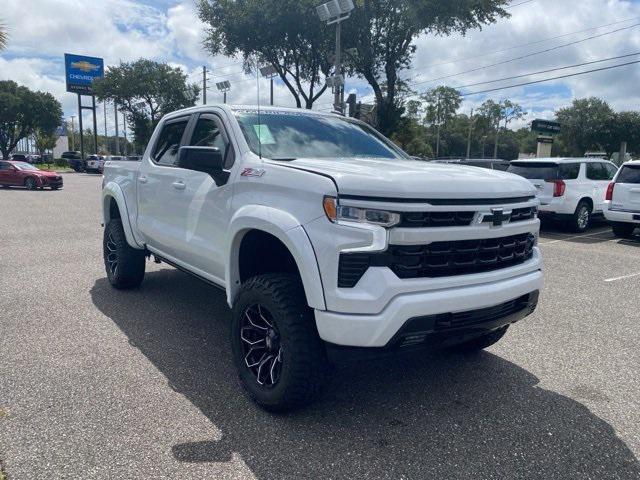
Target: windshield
[[289, 135], [24, 166]]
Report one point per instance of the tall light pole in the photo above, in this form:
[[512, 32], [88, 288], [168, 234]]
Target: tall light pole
[[224, 87], [73, 133], [204, 85], [269, 71], [336, 11]]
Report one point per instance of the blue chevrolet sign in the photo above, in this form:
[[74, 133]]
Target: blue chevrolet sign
[[81, 71]]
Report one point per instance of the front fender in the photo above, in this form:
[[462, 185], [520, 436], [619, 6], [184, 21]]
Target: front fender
[[113, 192], [285, 228]]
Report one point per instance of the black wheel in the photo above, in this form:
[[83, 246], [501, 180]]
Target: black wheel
[[581, 218], [280, 359], [55, 188], [124, 264], [480, 343], [622, 229], [30, 183]]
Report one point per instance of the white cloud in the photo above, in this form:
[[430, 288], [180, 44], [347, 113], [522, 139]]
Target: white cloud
[[41, 31]]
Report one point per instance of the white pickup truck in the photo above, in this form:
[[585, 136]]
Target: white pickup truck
[[327, 238]]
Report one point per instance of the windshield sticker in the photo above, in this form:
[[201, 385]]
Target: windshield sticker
[[264, 134]]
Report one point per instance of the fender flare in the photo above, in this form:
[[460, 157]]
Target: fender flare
[[286, 228], [112, 191]]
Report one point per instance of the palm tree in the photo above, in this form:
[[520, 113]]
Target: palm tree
[[3, 37]]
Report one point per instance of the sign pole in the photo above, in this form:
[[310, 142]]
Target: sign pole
[[95, 126], [80, 122]]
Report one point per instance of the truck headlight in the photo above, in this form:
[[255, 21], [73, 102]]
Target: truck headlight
[[336, 212]]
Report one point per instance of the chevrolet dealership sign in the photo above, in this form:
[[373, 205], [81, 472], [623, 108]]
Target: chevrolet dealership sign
[[81, 71]]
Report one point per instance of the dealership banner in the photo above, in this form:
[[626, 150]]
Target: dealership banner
[[81, 71]]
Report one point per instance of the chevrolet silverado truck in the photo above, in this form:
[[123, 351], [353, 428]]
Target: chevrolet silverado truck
[[328, 240]]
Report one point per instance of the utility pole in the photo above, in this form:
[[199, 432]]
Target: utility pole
[[124, 129], [106, 140], [115, 109], [73, 134], [204, 85], [469, 135], [438, 132]]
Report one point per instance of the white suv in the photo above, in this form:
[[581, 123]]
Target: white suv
[[569, 189], [622, 207]]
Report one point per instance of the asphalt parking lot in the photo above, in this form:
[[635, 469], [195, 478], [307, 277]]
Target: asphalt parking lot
[[97, 383]]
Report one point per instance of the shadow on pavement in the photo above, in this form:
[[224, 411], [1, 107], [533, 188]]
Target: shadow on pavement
[[423, 416]]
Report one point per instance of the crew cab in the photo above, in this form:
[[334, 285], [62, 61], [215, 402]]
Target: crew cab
[[622, 207], [328, 240], [571, 190]]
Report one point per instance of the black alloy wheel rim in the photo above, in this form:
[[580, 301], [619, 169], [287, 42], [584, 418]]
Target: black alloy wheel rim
[[111, 255], [261, 345]]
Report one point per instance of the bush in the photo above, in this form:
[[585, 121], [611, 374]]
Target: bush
[[61, 162]]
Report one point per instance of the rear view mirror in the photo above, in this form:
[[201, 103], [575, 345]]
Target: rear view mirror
[[201, 159], [204, 159]]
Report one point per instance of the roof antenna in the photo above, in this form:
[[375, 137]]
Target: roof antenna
[[259, 119]]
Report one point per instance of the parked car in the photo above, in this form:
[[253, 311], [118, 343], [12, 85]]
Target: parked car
[[19, 157], [326, 237], [571, 190], [23, 174], [488, 163], [95, 163], [75, 160], [622, 208], [134, 158]]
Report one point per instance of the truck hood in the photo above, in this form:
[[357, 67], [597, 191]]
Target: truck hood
[[414, 179]]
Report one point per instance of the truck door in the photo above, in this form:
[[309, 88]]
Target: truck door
[[204, 204], [160, 189]]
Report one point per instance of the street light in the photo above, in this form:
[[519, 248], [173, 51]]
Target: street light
[[336, 11], [224, 87], [269, 71]]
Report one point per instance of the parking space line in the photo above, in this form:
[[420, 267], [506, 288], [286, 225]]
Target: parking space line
[[624, 277], [571, 238]]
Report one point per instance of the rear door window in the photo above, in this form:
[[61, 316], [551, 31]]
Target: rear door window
[[166, 149], [629, 174], [597, 171]]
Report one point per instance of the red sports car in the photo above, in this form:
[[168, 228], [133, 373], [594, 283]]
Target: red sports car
[[23, 174]]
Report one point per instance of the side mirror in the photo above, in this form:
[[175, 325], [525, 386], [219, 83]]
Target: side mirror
[[201, 159]]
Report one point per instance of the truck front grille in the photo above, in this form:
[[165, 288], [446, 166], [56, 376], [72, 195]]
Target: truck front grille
[[435, 219], [439, 259]]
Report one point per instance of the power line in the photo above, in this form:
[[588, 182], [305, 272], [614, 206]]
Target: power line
[[549, 70], [551, 79], [548, 39], [484, 67]]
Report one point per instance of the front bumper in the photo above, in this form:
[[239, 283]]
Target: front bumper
[[622, 216], [378, 330]]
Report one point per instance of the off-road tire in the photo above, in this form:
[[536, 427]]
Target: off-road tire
[[130, 262], [623, 229], [480, 343], [577, 220], [303, 372]]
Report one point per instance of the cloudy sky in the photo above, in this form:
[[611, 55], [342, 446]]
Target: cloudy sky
[[41, 31]]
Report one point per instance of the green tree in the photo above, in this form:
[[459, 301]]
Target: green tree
[[586, 125], [283, 33], [22, 112], [442, 103], [146, 90], [44, 140], [383, 31]]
